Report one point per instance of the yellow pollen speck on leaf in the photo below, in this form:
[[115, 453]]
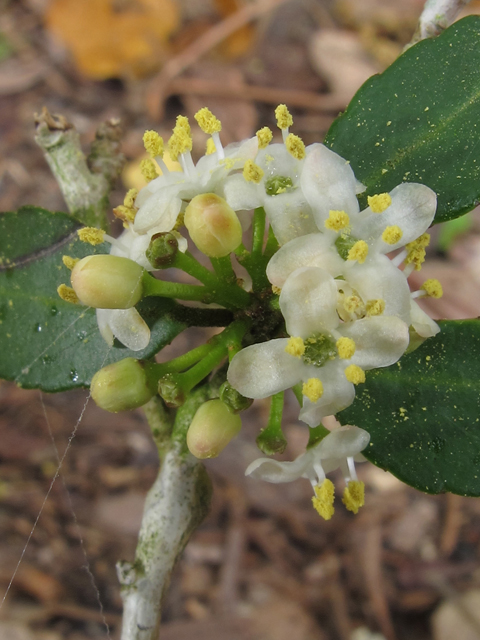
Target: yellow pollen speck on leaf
[[295, 347], [313, 389], [264, 137], [153, 143], [69, 262], [354, 496], [337, 220], [433, 288], [345, 348], [211, 148], [283, 116], [91, 235], [358, 252], [355, 374], [323, 499], [352, 304], [148, 169], [295, 146], [67, 294], [375, 307], [252, 172], [207, 122], [392, 234], [379, 203]]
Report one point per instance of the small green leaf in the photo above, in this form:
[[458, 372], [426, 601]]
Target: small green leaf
[[45, 342], [419, 121], [423, 413]]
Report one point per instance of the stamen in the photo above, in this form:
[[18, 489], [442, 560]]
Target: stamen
[[313, 389], [284, 119], [181, 140], [252, 172], [354, 496], [211, 148], [416, 252], [276, 290], [337, 220], [355, 374], [323, 499], [353, 304], [264, 137], [207, 122], [379, 203], [129, 200], [67, 294], [148, 169], [345, 348], [153, 143], [432, 288], [295, 347], [91, 235], [69, 262], [295, 146], [358, 252], [392, 234], [375, 307]]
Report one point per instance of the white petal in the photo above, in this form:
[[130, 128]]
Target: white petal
[[379, 278], [182, 242], [344, 442], [129, 328], [328, 182], [275, 160], [264, 369], [422, 323], [103, 316], [380, 341], [338, 394], [242, 195], [275, 471], [163, 181], [413, 209], [290, 215], [160, 210], [138, 249], [308, 302], [312, 250]]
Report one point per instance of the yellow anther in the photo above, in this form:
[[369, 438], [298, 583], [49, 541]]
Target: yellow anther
[[352, 304], [252, 172], [323, 500], [375, 307], [295, 146], [264, 137], [283, 116], [127, 214], [392, 234], [153, 143], [148, 169], [421, 242], [129, 200], [358, 252], [276, 290], [313, 389], [433, 288], [207, 122], [181, 139], [295, 347], [211, 148], [91, 235], [69, 262], [416, 256], [355, 374], [354, 495], [67, 294], [379, 203], [337, 220], [345, 348]]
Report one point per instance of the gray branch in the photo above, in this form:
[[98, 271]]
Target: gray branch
[[436, 16], [85, 182]]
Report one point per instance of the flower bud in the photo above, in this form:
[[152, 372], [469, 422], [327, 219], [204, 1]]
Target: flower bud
[[213, 225], [170, 389], [233, 399], [162, 250], [108, 282], [122, 386], [212, 428]]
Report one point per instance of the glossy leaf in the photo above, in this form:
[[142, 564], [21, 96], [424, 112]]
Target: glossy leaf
[[423, 413], [419, 121], [45, 342]]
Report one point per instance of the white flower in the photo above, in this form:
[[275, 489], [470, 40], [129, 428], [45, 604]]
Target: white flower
[[328, 356], [339, 449], [127, 325]]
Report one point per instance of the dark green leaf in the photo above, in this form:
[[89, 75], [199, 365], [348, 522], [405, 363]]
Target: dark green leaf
[[423, 413], [419, 121], [45, 342]]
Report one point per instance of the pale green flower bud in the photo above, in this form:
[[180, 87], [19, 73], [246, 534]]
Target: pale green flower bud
[[212, 428], [162, 250], [107, 282], [122, 386], [213, 225]]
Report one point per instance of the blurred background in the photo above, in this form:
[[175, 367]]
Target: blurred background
[[263, 566]]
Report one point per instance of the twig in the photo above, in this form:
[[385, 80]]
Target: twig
[[159, 88], [436, 16], [85, 182]]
